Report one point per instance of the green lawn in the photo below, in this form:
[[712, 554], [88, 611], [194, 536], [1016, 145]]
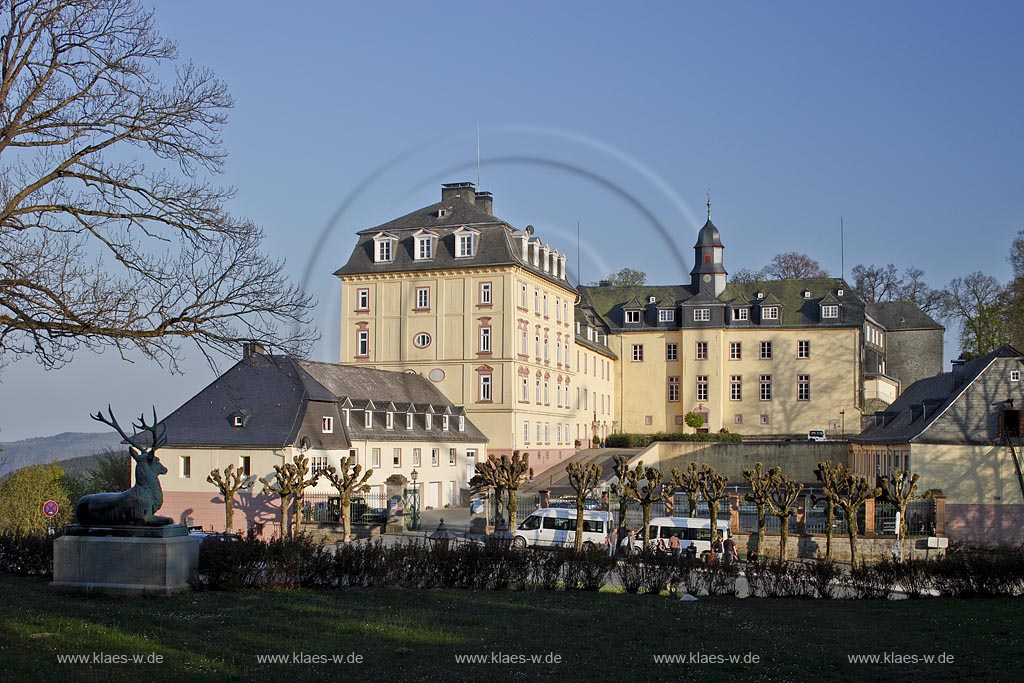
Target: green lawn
[[415, 635]]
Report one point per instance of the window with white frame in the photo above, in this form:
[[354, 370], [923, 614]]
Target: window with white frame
[[408, 420], [770, 313], [558, 353], [417, 456], [424, 248], [739, 314], [524, 389], [558, 395], [737, 419], [536, 300], [766, 350], [389, 420], [368, 418], [465, 246], [375, 458], [538, 432], [363, 343], [666, 315], [1014, 375], [546, 350], [558, 433], [830, 311], [803, 348], [435, 457], [702, 387], [423, 297], [638, 353], [702, 350], [735, 387], [185, 466], [526, 431], [673, 389], [735, 350], [764, 419], [632, 316], [765, 386], [648, 420], [671, 351], [522, 297], [485, 339], [566, 354], [384, 250], [363, 300], [451, 456], [701, 314], [547, 432], [485, 293], [485, 387], [536, 346], [245, 465], [803, 387], [327, 425], [558, 310], [421, 340], [462, 423], [428, 421], [536, 393], [444, 423], [547, 394], [545, 304], [396, 457]]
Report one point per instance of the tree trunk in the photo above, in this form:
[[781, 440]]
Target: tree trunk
[[830, 519], [298, 514], [499, 505], [692, 502], [713, 514], [229, 513], [647, 525], [760, 528], [513, 507], [579, 525], [783, 536], [286, 520], [345, 511], [851, 531]]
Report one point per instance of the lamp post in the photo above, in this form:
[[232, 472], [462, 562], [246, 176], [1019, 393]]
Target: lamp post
[[842, 423], [415, 501]]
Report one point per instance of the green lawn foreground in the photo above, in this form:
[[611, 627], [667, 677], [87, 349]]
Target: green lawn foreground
[[416, 635]]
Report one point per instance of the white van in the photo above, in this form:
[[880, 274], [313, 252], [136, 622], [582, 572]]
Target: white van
[[556, 528], [816, 435], [694, 531]]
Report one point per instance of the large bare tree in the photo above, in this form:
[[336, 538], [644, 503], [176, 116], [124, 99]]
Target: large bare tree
[[113, 234], [792, 265]]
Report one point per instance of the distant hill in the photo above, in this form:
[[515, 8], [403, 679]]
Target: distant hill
[[17, 454]]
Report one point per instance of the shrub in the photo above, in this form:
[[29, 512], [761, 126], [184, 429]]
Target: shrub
[[874, 582], [26, 554], [823, 576], [979, 573], [644, 440], [587, 570], [715, 579], [776, 579]]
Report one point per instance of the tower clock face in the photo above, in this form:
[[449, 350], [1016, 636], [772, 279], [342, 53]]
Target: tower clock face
[[707, 278]]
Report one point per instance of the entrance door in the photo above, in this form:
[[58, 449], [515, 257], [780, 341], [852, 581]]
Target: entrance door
[[434, 494]]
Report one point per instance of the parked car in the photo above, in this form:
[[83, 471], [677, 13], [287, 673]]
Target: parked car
[[816, 435], [556, 528], [214, 537]]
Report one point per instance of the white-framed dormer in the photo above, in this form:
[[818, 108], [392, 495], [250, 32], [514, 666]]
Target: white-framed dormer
[[632, 315], [830, 311], [428, 418], [368, 416], [462, 422], [466, 242], [384, 246], [409, 417], [424, 245], [327, 424]]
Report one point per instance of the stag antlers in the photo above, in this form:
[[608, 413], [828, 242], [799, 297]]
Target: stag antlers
[[157, 431]]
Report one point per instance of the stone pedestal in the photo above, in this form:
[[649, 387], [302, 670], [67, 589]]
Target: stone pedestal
[[125, 560]]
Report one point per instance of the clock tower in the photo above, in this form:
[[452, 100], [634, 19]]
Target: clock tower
[[708, 273]]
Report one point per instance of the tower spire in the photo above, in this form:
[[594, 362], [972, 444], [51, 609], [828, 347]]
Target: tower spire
[[709, 203]]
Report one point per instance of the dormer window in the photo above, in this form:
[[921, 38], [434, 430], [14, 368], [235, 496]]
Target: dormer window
[[652, 300], [238, 421], [408, 420], [839, 292], [384, 247], [760, 295], [807, 294], [327, 425], [830, 311], [429, 421], [666, 315], [465, 242], [424, 248], [389, 420], [347, 413], [701, 314], [740, 314], [632, 316], [444, 422], [770, 313], [368, 418], [462, 418]]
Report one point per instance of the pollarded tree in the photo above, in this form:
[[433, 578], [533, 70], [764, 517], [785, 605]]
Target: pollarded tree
[[515, 471], [112, 233], [760, 492], [488, 476], [624, 487], [900, 489], [281, 483], [648, 490], [850, 493], [782, 496], [827, 473], [301, 481], [712, 487], [349, 479], [229, 483], [689, 483], [583, 478]]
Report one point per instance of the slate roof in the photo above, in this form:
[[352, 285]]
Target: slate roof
[[925, 401], [797, 311], [901, 315], [272, 394], [496, 245]]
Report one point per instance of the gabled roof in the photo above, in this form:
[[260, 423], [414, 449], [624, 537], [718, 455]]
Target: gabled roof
[[796, 310], [925, 401], [896, 316], [608, 303]]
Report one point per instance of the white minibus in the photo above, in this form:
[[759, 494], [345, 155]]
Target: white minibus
[[556, 528], [694, 531]]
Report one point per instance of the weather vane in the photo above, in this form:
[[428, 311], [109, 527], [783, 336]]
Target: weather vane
[[709, 203]]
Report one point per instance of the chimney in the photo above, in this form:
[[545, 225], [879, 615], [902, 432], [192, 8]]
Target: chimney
[[958, 372], [485, 201], [604, 283], [463, 191], [252, 349]]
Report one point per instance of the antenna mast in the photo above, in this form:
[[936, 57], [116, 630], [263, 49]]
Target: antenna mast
[[478, 157], [842, 250], [579, 266]]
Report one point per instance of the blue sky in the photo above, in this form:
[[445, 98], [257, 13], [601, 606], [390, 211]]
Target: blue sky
[[903, 118]]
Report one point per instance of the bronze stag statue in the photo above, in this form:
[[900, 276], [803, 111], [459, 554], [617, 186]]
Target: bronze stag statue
[[135, 506]]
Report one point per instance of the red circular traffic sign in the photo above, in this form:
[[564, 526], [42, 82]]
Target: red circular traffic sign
[[50, 508]]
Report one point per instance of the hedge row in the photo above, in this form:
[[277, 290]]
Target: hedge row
[[643, 440]]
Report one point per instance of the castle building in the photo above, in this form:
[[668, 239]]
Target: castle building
[[486, 312]]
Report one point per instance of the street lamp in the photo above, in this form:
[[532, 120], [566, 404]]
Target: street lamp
[[842, 423], [415, 501]]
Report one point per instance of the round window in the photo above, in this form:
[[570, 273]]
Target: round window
[[436, 375], [421, 340]]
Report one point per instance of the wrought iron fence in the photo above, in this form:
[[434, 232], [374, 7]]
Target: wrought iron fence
[[325, 508], [920, 518]]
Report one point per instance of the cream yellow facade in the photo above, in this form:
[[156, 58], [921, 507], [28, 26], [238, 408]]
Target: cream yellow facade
[[497, 340], [807, 380]]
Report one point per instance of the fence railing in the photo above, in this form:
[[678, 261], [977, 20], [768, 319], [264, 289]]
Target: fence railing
[[325, 508], [920, 518]]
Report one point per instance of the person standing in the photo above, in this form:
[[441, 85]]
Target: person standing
[[729, 547], [717, 548], [674, 546]]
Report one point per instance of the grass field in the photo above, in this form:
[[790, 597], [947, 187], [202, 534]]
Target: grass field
[[404, 635]]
